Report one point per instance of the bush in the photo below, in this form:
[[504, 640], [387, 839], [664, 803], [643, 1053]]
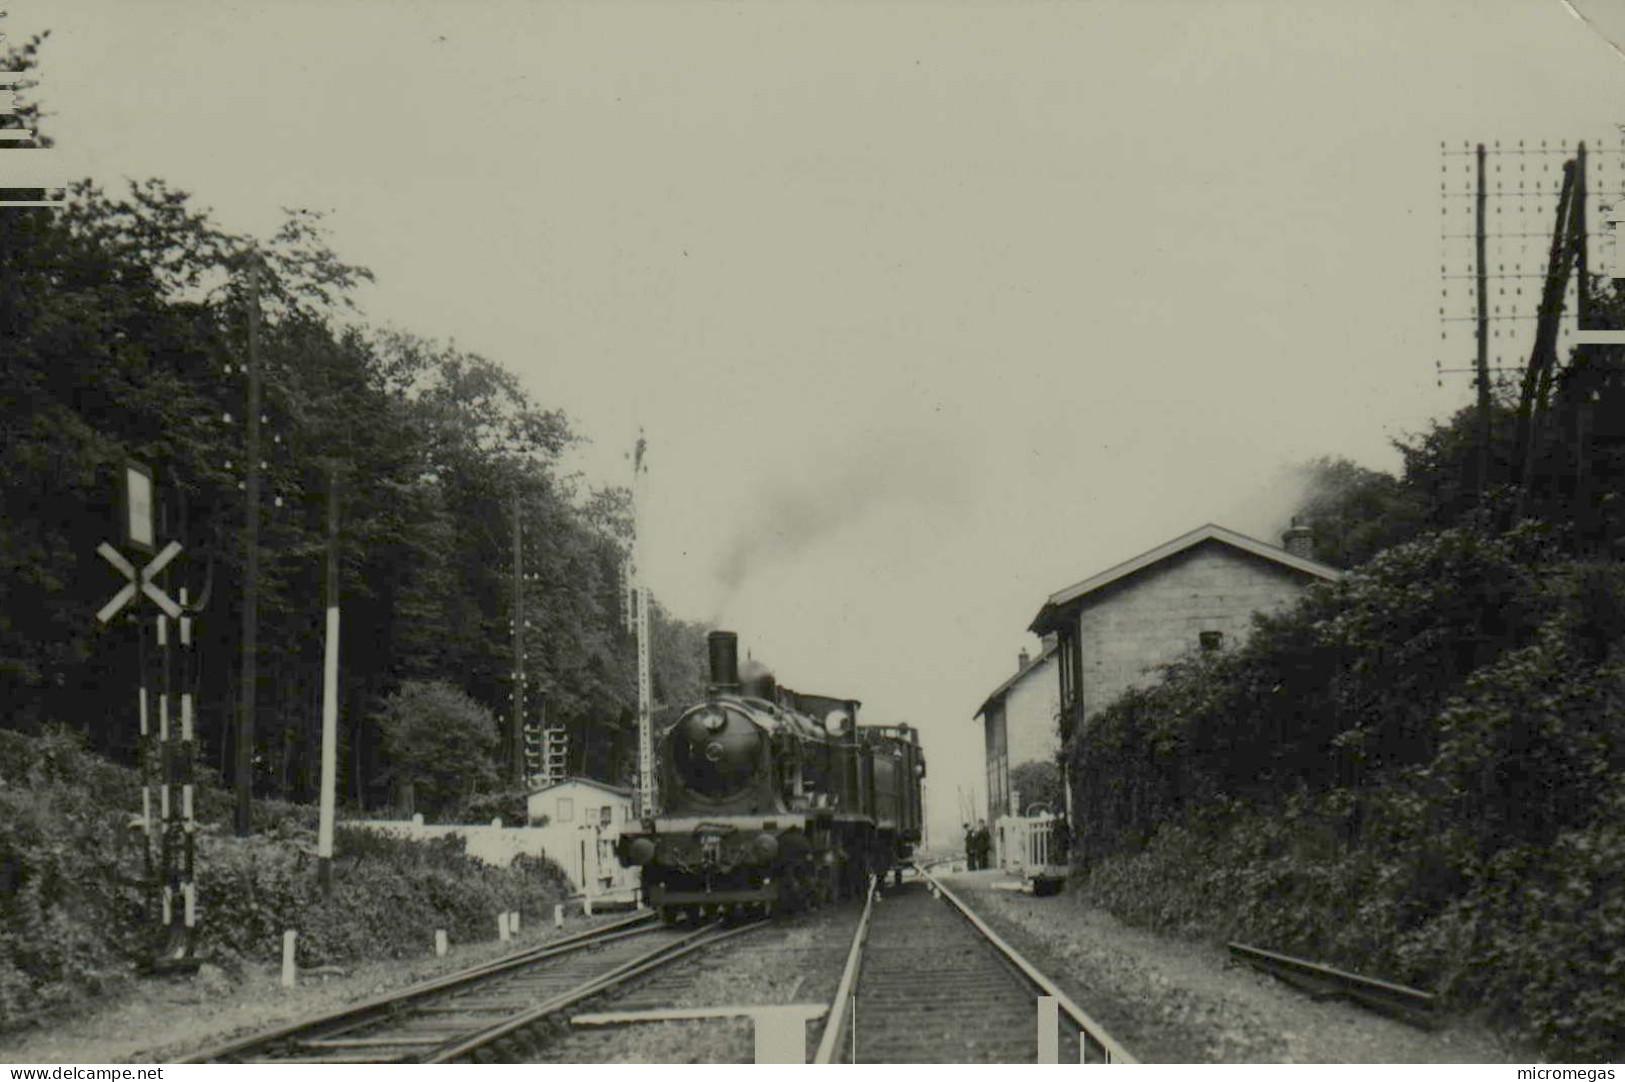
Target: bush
[[1414, 774], [75, 920], [389, 896], [71, 899]]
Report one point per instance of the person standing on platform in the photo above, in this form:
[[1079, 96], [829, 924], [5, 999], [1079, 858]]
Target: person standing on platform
[[970, 848], [983, 844]]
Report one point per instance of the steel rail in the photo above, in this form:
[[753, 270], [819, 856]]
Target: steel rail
[[1115, 1052], [1408, 1004], [661, 956], [357, 1014], [837, 1020]]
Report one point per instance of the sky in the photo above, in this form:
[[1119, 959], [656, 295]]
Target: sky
[[927, 310]]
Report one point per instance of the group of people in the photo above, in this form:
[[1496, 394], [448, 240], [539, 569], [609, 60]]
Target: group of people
[[978, 846]]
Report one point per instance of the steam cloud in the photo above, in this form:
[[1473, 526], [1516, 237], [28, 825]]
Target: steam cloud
[[835, 490]]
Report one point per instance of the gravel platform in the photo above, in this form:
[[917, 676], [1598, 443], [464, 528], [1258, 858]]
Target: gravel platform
[[1179, 1001]]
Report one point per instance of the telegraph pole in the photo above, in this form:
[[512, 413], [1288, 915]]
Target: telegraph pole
[[251, 563], [1483, 338], [646, 753], [516, 738]]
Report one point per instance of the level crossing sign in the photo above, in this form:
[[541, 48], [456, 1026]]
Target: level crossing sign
[[140, 581]]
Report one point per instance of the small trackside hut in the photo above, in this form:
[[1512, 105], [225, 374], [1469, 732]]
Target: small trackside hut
[[774, 799]]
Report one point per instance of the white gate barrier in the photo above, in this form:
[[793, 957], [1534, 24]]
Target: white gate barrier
[[1026, 844]]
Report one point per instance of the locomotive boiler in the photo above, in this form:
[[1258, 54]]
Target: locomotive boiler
[[772, 799]]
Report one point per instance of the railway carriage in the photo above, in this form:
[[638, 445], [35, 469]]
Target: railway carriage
[[774, 799]]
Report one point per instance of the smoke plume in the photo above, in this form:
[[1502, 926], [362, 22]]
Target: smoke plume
[[834, 490]]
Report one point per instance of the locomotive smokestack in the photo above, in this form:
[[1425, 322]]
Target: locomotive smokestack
[[724, 647]]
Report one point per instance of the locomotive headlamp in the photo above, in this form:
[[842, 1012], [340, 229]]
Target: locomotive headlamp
[[642, 851], [835, 722]]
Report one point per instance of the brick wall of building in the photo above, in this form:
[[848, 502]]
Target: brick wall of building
[[1020, 727], [1029, 715], [1131, 627]]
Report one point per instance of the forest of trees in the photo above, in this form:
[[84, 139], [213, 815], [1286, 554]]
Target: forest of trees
[[124, 323]]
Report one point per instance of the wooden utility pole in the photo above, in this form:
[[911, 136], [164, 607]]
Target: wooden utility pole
[[251, 563], [1582, 287], [1483, 338], [516, 737], [1584, 513], [1537, 378], [330, 692]]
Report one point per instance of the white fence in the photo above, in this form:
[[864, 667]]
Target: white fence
[[1026, 845], [585, 852]]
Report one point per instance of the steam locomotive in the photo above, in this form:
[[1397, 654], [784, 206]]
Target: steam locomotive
[[772, 799]]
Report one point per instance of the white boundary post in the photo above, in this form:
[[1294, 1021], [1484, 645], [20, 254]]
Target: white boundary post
[[290, 972], [1049, 1030]]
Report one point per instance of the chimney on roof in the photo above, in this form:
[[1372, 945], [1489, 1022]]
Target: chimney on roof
[[1022, 659], [1299, 539]]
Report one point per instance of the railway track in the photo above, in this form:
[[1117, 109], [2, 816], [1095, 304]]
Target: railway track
[[929, 982], [492, 1013], [1410, 1005]]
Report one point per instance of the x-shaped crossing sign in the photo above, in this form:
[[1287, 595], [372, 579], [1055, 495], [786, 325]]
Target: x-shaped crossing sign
[[140, 581]]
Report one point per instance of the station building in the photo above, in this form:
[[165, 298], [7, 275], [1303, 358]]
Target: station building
[[1114, 630], [1020, 725]]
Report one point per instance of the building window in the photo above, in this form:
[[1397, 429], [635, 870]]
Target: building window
[[1212, 640], [567, 809], [607, 815]]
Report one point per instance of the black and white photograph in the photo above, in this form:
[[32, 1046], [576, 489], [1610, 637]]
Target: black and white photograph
[[705, 532]]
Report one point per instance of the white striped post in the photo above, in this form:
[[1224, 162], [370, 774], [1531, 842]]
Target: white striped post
[[502, 927], [558, 915], [440, 944], [188, 752], [168, 813], [513, 922], [147, 755]]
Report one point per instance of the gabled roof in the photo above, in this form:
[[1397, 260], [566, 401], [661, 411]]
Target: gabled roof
[[594, 782], [1073, 595], [998, 692]]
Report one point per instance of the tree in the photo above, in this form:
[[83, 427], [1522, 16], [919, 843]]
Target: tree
[[1038, 782], [439, 741], [1354, 511]]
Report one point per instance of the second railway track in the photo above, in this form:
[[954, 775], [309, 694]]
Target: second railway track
[[487, 1014]]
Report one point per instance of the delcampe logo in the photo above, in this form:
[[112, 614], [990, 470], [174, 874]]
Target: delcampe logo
[[27, 174]]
